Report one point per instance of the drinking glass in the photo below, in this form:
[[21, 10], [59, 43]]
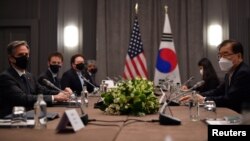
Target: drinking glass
[[19, 117], [210, 110], [245, 114], [194, 107]]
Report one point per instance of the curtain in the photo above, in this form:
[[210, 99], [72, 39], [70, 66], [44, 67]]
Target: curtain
[[114, 22]]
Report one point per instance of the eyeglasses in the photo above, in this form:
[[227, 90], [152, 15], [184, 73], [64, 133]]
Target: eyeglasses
[[225, 55]]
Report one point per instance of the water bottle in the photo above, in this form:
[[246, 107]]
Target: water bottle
[[40, 113], [84, 96], [102, 87], [73, 100]]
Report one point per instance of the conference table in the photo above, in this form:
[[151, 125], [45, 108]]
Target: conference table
[[118, 128]]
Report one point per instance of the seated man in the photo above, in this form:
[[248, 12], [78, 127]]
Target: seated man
[[235, 90], [76, 77], [19, 87], [92, 70], [55, 61]]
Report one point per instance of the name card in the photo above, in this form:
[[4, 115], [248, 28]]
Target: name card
[[109, 83], [70, 116]]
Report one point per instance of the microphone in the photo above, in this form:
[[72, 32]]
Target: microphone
[[116, 79], [108, 78], [48, 83], [189, 80], [121, 78], [86, 80], [197, 85]]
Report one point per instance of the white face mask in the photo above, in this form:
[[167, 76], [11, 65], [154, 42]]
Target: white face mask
[[201, 72], [225, 64]]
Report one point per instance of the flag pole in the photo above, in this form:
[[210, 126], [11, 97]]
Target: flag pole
[[166, 9], [136, 8]]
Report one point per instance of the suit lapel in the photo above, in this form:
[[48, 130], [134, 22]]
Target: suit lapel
[[30, 83], [50, 76], [17, 78], [79, 83]]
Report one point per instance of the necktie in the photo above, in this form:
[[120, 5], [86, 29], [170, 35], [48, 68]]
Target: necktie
[[81, 78], [25, 83], [56, 82]]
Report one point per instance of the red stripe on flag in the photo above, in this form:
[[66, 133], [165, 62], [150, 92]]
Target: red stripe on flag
[[135, 64], [127, 70], [135, 67], [143, 64]]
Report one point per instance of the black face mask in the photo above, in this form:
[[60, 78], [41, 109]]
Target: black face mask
[[80, 66], [54, 68], [93, 71], [22, 62]]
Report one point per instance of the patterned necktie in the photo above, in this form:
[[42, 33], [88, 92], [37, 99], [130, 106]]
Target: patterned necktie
[[25, 83]]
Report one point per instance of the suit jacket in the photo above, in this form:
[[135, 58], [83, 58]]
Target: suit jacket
[[48, 75], [237, 93], [12, 91], [70, 79]]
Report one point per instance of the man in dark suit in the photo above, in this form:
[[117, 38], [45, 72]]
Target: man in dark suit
[[92, 70], [55, 61], [75, 78], [235, 91], [19, 87]]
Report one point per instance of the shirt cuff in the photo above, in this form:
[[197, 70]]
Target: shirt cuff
[[204, 100], [53, 98]]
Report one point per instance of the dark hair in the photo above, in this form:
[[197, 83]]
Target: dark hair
[[72, 60], [13, 45], [236, 46], [55, 54], [208, 70]]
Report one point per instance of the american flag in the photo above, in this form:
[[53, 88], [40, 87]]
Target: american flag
[[135, 65]]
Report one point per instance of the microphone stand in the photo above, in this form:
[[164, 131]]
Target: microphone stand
[[166, 119], [84, 117], [84, 102]]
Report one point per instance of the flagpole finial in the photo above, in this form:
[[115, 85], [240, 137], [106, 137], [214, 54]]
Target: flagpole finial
[[166, 9], [136, 8]]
